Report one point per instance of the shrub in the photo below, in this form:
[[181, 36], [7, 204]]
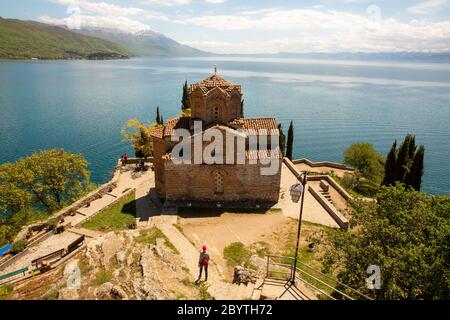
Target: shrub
[[237, 254], [19, 246], [348, 181], [52, 223], [5, 291], [102, 277]]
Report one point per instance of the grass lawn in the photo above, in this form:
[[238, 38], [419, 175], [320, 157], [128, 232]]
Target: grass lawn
[[150, 236], [118, 216], [237, 254]]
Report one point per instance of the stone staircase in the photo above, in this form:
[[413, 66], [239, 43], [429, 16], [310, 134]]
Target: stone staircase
[[216, 286], [326, 195], [324, 190], [275, 289], [229, 291]]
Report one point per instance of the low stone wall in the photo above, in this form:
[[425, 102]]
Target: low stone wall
[[322, 164], [291, 166], [332, 211], [135, 160], [92, 196], [108, 206], [334, 184], [13, 258]]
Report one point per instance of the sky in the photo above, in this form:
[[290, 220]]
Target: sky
[[260, 26]]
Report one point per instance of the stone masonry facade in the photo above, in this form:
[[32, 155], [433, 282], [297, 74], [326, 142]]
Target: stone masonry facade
[[217, 103]]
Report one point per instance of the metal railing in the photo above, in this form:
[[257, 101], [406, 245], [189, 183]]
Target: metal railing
[[14, 273], [280, 268]]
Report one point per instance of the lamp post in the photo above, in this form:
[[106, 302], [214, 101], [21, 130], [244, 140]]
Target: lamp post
[[298, 190]]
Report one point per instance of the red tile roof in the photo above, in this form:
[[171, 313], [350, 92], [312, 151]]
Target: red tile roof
[[249, 126], [158, 133], [255, 124], [213, 82]]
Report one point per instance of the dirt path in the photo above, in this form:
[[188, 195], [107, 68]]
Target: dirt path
[[218, 288], [220, 231]]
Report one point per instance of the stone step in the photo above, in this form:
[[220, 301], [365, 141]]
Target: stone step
[[249, 291], [257, 289], [240, 292]]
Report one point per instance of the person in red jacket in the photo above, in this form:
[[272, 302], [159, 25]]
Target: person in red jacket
[[203, 262]]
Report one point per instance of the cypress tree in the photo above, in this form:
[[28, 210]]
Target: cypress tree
[[406, 164], [185, 102], [282, 139], [403, 157], [161, 120], [242, 108], [158, 116], [414, 179], [390, 167], [290, 142]]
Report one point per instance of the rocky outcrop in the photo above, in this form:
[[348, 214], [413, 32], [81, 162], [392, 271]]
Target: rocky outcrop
[[108, 291], [244, 276], [122, 267], [68, 294]]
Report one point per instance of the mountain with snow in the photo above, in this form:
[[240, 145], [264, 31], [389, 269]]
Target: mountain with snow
[[146, 43]]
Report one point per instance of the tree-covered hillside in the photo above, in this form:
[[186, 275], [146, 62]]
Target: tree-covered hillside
[[29, 39]]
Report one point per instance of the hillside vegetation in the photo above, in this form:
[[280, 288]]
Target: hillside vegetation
[[29, 39]]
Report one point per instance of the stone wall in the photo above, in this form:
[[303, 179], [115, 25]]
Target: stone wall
[[240, 183], [205, 106], [322, 164]]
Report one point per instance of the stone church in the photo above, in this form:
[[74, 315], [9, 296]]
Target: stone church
[[216, 102]]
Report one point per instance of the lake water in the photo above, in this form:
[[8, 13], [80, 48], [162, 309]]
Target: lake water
[[81, 105]]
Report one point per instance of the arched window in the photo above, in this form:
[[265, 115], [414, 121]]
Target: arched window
[[218, 182]]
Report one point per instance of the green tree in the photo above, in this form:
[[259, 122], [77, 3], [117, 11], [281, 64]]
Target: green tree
[[242, 108], [42, 182], [406, 234], [364, 158], [390, 167], [12, 198], [158, 116], [57, 176], [161, 121], [404, 158], [290, 141], [7, 231], [414, 178], [138, 135], [282, 141], [409, 164], [185, 101]]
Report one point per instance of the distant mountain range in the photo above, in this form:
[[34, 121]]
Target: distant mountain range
[[29, 40], [373, 56], [145, 43]]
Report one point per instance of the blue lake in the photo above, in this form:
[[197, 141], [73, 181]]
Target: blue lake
[[81, 105]]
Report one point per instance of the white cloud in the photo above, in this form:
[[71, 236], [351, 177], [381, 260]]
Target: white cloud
[[100, 7], [104, 15], [324, 31], [167, 3], [215, 1], [427, 7], [120, 23]]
